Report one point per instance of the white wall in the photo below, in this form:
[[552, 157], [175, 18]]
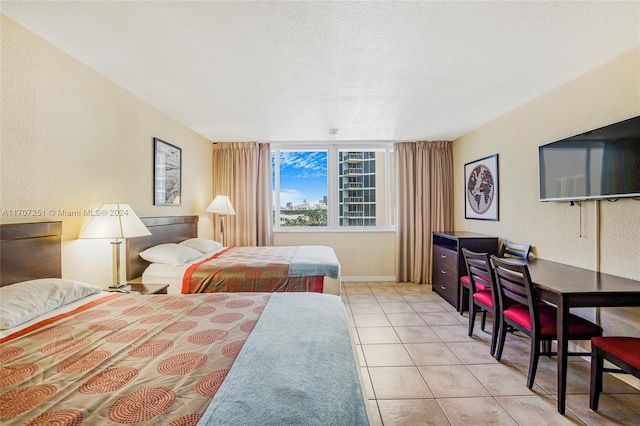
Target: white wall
[[559, 232], [74, 140]]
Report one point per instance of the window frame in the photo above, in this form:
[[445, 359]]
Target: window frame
[[332, 149]]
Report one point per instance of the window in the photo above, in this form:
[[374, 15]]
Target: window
[[332, 187]]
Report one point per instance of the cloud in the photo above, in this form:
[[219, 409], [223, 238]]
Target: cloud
[[303, 165], [291, 195]]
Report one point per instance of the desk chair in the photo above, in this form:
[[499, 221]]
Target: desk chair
[[483, 294], [522, 311], [510, 249], [624, 352]]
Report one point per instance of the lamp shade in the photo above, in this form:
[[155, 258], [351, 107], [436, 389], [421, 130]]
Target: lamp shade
[[115, 221], [221, 205]]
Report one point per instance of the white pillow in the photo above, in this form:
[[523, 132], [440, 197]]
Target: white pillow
[[26, 300], [203, 245], [170, 254]]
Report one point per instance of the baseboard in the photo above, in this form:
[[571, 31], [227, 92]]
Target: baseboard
[[364, 279]]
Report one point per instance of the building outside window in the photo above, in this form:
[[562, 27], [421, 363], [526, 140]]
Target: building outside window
[[332, 187]]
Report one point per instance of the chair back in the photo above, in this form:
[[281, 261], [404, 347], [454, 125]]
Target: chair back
[[510, 249], [480, 271], [514, 285]]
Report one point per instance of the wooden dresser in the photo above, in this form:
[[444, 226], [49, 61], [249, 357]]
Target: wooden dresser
[[448, 262]]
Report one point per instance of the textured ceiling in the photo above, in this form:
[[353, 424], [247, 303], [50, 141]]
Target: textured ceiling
[[286, 71]]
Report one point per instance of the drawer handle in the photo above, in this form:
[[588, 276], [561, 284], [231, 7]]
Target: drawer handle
[[443, 272], [443, 287], [444, 256]]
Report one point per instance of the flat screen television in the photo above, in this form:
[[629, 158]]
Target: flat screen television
[[600, 164]]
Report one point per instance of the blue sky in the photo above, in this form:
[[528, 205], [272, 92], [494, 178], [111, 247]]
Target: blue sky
[[303, 175]]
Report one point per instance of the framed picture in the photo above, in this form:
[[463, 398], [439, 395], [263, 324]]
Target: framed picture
[[481, 189], [167, 173]]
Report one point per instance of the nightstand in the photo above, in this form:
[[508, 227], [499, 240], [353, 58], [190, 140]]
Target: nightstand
[[149, 288]]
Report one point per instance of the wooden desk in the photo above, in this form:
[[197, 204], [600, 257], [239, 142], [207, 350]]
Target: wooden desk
[[571, 287]]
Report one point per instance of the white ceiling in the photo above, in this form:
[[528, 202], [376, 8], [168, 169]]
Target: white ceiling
[[286, 71]]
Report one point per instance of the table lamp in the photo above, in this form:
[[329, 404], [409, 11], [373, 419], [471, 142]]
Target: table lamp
[[221, 205], [115, 221]]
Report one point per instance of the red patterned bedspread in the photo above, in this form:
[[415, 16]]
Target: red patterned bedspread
[[255, 269], [153, 360]]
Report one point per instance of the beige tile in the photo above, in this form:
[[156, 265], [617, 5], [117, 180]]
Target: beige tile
[[543, 408], [547, 377], [361, 298], [387, 355], [374, 413], [475, 411], [411, 412], [366, 382], [371, 320], [610, 411], [398, 383], [389, 297], [453, 333], [353, 335], [610, 383], [630, 400], [439, 318], [366, 308], [472, 352], [358, 291], [415, 289], [503, 379], [396, 308], [361, 359], [418, 297], [447, 381], [374, 335], [420, 334], [427, 307], [405, 320], [431, 354]]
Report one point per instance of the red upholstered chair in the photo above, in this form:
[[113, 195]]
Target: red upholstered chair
[[522, 311], [624, 352], [508, 249], [483, 294]]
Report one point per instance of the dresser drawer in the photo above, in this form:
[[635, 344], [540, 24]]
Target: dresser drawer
[[445, 282], [446, 257]]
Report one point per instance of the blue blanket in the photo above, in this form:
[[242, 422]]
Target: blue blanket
[[296, 368], [311, 261]]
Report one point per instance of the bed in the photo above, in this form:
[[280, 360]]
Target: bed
[[231, 269], [224, 358]]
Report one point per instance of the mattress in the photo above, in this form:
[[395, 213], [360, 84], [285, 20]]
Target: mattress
[[159, 359], [157, 273]]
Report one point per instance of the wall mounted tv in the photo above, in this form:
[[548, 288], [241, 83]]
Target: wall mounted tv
[[600, 164]]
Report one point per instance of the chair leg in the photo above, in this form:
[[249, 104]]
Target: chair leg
[[501, 339], [597, 364], [494, 335], [533, 361], [461, 299], [484, 320], [472, 316]]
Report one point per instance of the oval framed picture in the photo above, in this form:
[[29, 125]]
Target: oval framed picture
[[481, 189]]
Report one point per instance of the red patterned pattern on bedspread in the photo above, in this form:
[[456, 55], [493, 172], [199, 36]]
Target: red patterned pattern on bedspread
[[155, 359], [255, 269]]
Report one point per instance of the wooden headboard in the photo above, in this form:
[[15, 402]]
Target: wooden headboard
[[29, 251], [171, 229]]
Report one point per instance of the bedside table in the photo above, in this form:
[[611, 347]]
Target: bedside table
[[149, 288]]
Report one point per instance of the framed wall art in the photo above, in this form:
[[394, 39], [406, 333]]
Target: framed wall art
[[481, 189], [167, 173]]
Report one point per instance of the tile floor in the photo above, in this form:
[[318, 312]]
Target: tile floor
[[420, 368]]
